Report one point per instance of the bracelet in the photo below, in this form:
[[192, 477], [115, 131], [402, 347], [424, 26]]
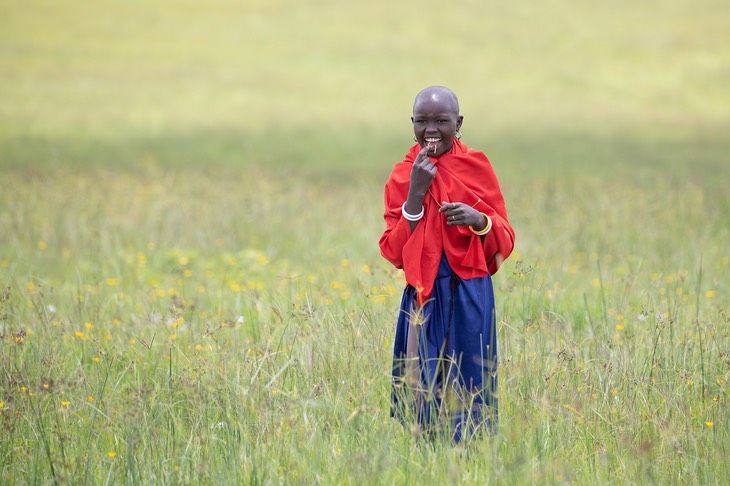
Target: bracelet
[[412, 217], [485, 230]]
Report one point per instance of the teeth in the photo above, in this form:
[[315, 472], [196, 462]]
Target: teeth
[[432, 143]]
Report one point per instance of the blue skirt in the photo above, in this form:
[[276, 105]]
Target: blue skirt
[[449, 374]]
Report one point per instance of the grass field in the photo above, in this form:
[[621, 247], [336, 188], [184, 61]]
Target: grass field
[[191, 198]]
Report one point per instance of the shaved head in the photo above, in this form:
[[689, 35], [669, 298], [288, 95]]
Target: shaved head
[[440, 94], [436, 120]]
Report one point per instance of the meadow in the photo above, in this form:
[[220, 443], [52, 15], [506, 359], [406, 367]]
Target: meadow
[[191, 198]]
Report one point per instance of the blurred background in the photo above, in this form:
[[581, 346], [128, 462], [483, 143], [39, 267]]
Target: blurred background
[[594, 114], [325, 87]]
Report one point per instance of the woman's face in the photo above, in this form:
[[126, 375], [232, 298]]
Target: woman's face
[[435, 123]]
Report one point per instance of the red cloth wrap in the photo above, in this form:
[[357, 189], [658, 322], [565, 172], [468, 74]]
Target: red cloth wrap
[[464, 175]]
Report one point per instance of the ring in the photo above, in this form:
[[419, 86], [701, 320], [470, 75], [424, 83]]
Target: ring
[[453, 205]]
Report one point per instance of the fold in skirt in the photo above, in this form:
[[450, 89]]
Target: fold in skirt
[[445, 357]]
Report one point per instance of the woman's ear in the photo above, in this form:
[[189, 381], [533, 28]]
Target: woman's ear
[[459, 121]]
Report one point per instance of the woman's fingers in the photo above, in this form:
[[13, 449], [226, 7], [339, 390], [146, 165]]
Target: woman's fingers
[[459, 214], [451, 208]]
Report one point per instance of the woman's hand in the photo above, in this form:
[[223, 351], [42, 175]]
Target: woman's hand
[[422, 174], [460, 214]]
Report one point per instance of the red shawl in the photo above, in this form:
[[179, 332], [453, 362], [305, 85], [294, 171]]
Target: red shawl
[[464, 175]]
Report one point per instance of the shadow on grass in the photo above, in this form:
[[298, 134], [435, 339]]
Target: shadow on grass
[[342, 154]]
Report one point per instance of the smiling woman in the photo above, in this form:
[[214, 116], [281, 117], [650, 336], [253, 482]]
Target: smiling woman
[[448, 244]]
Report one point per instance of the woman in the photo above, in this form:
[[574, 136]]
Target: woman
[[447, 228]]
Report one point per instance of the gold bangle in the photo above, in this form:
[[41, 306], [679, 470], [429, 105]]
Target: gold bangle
[[486, 229]]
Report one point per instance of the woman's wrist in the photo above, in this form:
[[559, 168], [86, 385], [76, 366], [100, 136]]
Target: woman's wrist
[[413, 204], [483, 228], [412, 216]]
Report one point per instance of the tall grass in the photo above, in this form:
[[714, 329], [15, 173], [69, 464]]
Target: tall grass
[[200, 327], [190, 200]]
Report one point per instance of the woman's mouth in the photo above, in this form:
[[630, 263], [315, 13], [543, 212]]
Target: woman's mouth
[[432, 143]]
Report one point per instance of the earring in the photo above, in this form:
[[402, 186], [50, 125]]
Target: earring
[[458, 135]]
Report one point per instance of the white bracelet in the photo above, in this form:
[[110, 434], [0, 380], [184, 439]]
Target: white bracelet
[[413, 217]]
